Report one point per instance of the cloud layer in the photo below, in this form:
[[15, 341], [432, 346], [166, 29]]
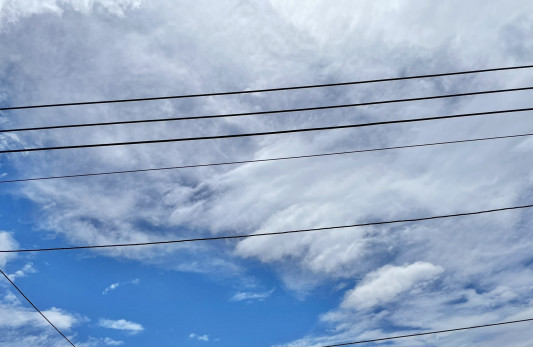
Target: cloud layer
[[405, 277], [384, 284]]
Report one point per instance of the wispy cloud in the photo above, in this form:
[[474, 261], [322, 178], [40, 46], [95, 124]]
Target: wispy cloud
[[251, 296], [114, 286], [98, 342], [110, 342], [204, 337], [386, 283], [121, 324], [7, 241]]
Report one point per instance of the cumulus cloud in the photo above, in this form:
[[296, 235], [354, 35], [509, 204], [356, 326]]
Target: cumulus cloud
[[21, 325], [26, 269], [121, 324], [384, 284], [16, 316]]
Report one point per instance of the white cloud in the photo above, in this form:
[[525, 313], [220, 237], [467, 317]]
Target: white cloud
[[251, 296], [204, 337], [7, 241], [262, 44], [21, 325], [384, 284], [114, 286], [16, 316], [26, 269], [14, 10], [121, 324], [98, 342], [110, 342]]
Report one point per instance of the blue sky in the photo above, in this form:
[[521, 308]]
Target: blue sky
[[309, 289]]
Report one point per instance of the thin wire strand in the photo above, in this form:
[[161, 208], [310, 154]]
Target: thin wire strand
[[203, 138], [244, 114], [35, 307], [231, 237], [429, 333], [266, 90], [266, 160]]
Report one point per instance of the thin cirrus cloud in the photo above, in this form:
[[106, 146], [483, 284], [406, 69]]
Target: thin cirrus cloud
[[111, 342], [121, 324], [115, 285], [194, 336], [252, 296]]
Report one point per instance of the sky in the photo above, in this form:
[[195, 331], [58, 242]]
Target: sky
[[309, 289]]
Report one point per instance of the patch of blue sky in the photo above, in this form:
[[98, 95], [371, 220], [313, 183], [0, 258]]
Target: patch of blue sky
[[168, 304]]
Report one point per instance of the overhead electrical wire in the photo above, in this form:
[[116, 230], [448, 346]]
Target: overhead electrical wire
[[266, 159], [262, 160], [388, 338], [35, 307], [265, 90], [246, 114], [279, 132], [429, 333], [232, 237]]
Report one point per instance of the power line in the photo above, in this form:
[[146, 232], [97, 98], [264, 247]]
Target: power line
[[202, 138], [245, 114], [429, 333], [265, 160], [36, 309], [229, 237], [264, 90]]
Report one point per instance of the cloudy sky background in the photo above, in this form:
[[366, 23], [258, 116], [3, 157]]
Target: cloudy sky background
[[308, 289]]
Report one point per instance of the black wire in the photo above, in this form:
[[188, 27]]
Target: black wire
[[264, 234], [359, 125], [430, 333], [265, 160], [35, 307], [305, 109], [266, 90], [335, 345]]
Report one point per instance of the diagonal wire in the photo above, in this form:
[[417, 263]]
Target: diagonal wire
[[35, 307], [267, 159], [231, 237], [265, 90], [243, 114], [202, 138], [429, 333]]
